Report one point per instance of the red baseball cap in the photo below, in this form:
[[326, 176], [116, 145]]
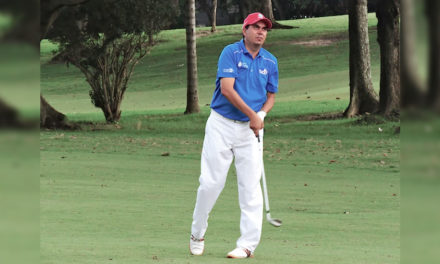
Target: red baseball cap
[[256, 17]]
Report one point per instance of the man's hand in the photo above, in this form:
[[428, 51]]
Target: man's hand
[[256, 124], [227, 89]]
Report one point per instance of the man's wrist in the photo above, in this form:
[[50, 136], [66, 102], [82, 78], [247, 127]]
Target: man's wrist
[[262, 114]]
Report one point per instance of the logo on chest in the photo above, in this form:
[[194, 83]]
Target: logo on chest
[[242, 65], [264, 71]]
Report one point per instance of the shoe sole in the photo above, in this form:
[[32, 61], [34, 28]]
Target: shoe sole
[[234, 257], [195, 254]]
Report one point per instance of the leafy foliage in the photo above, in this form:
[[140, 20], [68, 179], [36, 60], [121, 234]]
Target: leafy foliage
[[113, 18], [105, 39]]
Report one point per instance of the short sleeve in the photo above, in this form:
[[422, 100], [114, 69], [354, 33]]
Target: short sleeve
[[227, 66], [272, 84]]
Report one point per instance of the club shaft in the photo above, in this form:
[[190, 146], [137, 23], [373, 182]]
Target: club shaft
[[263, 178]]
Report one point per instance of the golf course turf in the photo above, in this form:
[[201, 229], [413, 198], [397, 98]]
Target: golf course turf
[[125, 192]]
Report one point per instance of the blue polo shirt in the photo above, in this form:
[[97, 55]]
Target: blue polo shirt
[[253, 79]]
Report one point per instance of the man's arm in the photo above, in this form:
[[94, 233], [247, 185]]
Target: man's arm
[[227, 89], [269, 103]]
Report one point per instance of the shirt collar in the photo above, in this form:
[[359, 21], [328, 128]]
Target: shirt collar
[[246, 51]]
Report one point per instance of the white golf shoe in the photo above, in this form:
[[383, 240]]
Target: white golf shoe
[[239, 253], [196, 246]]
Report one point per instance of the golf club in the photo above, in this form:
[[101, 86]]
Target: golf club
[[273, 221]]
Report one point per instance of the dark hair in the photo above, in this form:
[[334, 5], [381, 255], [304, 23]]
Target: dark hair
[[246, 27]]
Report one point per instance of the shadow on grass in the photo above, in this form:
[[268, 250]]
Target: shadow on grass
[[311, 117], [362, 120], [160, 121]]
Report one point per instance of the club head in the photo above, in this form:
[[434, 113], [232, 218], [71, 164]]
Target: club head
[[273, 221]]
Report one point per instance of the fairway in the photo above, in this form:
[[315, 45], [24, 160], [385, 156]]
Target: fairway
[[125, 193]]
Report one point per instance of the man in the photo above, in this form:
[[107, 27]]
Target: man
[[247, 80]]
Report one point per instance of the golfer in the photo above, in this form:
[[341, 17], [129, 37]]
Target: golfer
[[247, 80]]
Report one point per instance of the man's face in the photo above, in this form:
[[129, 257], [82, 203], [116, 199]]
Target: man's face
[[255, 33]]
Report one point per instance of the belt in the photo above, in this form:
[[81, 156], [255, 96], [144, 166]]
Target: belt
[[238, 121], [232, 120]]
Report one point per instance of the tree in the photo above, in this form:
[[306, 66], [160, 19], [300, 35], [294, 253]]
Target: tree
[[49, 12], [192, 98], [433, 11], [214, 16], [412, 94], [108, 68], [22, 30], [279, 10], [105, 40], [8, 115], [388, 31], [265, 7], [210, 8], [10, 118], [268, 10], [315, 8], [25, 29], [52, 119], [363, 99]]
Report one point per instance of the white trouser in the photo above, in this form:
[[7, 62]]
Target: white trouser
[[224, 140]]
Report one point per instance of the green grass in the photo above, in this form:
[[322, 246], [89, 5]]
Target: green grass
[[159, 81], [107, 195], [111, 195]]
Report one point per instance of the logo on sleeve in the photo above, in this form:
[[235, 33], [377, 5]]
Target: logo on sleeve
[[264, 72], [230, 70]]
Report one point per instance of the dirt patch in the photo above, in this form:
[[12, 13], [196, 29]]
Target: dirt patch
[[311, 117], [314, 43], [326, 40], [316, 117], [97, 126], [374, 119], [370, 120], [204, 33], [321, 41]]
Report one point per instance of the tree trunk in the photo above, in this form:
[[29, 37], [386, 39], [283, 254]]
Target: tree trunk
[[9, 117], [244, 8], [433, 11], [112, 113], [47, 21], [214, 16], [268, 12], [388, 31], [150, 39], [278, 7], [51, 118], [192, 98], [363, 99], [411, 83]]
